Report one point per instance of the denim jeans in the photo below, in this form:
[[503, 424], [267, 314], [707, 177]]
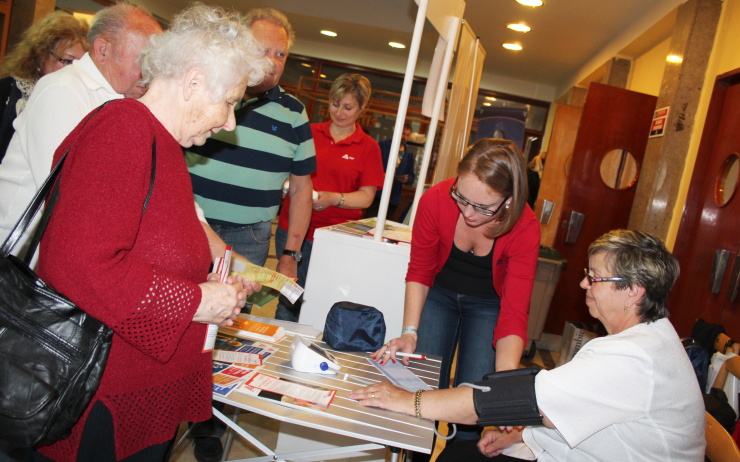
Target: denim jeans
[[285, 310], [452, 319], [251, 241]]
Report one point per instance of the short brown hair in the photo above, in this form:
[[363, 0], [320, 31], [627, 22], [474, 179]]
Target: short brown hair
[[499, 164], [56, 29], [356, 85]]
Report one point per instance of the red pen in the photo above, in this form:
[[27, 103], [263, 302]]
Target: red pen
[[410, 355]]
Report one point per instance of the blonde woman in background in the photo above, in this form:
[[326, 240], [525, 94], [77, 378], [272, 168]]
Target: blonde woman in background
[[48, 45], [349, 170]]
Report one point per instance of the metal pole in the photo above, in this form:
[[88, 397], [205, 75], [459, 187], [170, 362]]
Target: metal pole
[[401, 118]]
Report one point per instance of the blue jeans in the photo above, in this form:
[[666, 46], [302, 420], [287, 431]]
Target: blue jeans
[[251, 241], [285, 310], [450, 320]]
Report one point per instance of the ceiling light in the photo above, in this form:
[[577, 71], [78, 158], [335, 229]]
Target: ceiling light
[[532, 3], [329, 33], [490, 98], [305, 64], [674, 59], [323, 76], [396, 45], [486, 104], [519, 27], [512, 46]]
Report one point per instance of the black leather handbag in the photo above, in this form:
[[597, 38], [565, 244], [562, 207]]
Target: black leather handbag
[[52, 354]]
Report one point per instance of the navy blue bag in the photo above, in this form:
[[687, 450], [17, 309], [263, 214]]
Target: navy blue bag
[[353, 327], [700, 360]]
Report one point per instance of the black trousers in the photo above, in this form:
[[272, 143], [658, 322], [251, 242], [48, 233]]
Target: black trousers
[[468, 451], [98, 442]]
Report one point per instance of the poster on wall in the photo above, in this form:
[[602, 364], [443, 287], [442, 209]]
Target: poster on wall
[[660, 119], [499, 122]]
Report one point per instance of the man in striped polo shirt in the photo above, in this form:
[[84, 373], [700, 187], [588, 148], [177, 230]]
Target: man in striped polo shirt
[[238, 176]]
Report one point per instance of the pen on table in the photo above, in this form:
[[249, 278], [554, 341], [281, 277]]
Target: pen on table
[[410, 355]]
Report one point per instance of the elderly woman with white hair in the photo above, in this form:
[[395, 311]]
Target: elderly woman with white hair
[[124, 242]]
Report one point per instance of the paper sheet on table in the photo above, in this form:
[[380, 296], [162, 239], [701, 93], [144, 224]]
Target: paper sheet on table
[[400, 375], [267, 277]]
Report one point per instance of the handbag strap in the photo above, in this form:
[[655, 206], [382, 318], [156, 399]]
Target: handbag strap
[[27, 217], [46, 216]]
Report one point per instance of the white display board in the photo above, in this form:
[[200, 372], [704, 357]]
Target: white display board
[[351, 268]]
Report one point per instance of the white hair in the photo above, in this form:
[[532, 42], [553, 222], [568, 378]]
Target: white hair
[[211, 38]]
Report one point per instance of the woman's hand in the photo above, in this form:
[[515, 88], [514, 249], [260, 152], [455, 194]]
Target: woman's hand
[[385, 396], [326, 199], [221, 303], [405, 343], [493, 442]]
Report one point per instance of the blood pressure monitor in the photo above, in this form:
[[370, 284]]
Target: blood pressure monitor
[[306, 356]]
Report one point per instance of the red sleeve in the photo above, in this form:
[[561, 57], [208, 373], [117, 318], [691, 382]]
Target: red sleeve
[[373, 174], [432, 234], [93, 251], [515, 264]]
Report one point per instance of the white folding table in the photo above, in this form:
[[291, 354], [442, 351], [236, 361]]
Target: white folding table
[[378, 428]]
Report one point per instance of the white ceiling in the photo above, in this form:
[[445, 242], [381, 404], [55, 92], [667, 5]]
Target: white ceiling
[[568, 41]]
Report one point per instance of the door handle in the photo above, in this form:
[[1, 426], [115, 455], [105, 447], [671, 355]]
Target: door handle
[[719, 266], [734, 288], [574, 227]]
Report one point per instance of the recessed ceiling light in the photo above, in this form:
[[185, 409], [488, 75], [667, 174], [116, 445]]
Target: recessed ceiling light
[[532, 3], [396, 45], [323, 76], [490, 98], [519, 27], [305, 65], [512, 46], [486, 104], [329, 33], [674, 59]]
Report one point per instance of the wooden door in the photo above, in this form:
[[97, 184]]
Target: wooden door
[[609, 148], [709, 236]]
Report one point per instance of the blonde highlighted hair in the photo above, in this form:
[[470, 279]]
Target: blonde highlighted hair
[[54, 32]]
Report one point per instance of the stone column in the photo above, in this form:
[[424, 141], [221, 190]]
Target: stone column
[[665, 157]]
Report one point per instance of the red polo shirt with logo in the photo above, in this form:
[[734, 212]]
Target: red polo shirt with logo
[[342, 167]]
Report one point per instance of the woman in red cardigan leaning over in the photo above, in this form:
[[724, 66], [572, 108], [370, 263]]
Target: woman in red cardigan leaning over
[[473, 259]]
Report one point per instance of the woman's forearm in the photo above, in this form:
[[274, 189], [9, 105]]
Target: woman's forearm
[[416, 295], [509, 352]]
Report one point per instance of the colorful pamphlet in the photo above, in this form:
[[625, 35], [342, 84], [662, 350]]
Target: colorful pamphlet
[[253, 330]]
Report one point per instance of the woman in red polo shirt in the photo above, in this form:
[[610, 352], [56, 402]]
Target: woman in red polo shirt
[[349, 170]]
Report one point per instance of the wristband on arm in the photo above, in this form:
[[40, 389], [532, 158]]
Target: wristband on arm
[[507, 399]]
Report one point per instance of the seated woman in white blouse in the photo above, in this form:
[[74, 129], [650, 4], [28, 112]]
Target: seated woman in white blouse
[[631, 395]]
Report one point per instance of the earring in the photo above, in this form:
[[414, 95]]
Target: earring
[[625, 309], [506, 206]]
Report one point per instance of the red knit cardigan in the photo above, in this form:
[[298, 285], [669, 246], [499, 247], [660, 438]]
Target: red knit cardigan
[[514, 256], [137, 274]]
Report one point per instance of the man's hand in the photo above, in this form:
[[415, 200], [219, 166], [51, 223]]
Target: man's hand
[[287, 266]]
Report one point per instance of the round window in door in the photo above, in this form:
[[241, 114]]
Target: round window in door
[[618, 169], [726, 184]]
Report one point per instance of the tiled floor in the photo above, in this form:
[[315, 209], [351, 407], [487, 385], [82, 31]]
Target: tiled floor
[[266, 430]]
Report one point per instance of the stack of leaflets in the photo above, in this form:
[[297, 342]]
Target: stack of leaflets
[[230, 349], [287, 392], [244, 327], [392, 232]]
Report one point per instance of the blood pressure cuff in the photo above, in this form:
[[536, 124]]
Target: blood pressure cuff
[[510, 399]]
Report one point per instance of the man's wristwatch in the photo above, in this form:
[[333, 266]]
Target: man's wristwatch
[[296, 254]]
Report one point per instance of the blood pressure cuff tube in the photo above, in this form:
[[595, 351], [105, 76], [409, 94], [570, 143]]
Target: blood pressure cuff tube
[[510, 399]]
